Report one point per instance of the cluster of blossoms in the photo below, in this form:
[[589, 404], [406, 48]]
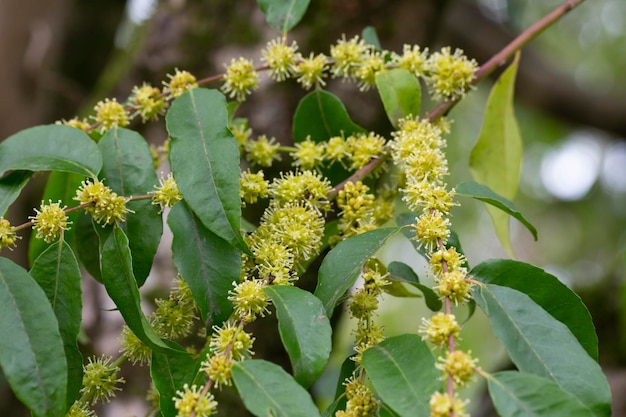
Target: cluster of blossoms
[[147, 102], [172, 319], [448, 74], [417, 150], [8, 237], [362, 305]]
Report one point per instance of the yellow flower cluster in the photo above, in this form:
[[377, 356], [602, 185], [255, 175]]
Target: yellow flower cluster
[[105, 206], [193, 400], [100, 379], [360, 400], [50, 221], [7, 234]]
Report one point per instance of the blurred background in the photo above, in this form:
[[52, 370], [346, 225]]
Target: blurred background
[[59, 57]]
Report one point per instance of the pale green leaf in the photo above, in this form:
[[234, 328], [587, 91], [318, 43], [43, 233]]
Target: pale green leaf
[[283, 15], [400, 92], [496, 158]]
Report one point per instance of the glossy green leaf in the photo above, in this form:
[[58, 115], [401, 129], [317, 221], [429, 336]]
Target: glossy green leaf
[[402, 371], [546, 290], [31, 348], [128, 170], [516, 394], [487, 195], [283, 15], [496, 158], [400, 92], [169, 373], [540, 344], [50, 148], [267, 390], [401, 272], [304, 330], [370, 37], [10, 187], [87, 244], [207, 263], [204, 157], [120, 283], [57, 273], [343, 264], [321, 115], [61, 186]]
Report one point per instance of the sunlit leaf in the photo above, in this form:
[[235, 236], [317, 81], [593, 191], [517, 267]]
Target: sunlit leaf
[[400, 92], [496, 158]]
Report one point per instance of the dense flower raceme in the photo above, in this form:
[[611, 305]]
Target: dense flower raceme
[[292, 226]]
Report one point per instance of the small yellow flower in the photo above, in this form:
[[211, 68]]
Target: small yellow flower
[[454, 285], [134, 349], [363, 148], [167, 193], [218, 368], [430, 228], [79, 409], [310, 70], [263, 151], [249, 299], [50, 222], [107, 207], [252, 186], [412, 59], [281, 59], [173, 319], [178, 83], [453, 259], [231, 335], [299, 227], [110, 113], [81, 124], [240, 79], [193, 400], [148, 102], [7, 234], [439, 328], [100, 379], [372, 64], [451, 74], [306, 186], [274, 262], [241, 132], [336, 149], [308, 154], [348, 56], [442, 405], [459, 365], [361, 401]]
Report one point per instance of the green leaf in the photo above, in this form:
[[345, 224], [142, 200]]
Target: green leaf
[[86, 243], [267, 390], [207, 263], [50, 148], [204, 157], [304, 330], [400, 92], [402, 371], [128, 170], [370, 37], [283, 15], [401, 272], [539, 344], [118, 279], [169, 373], [31, 349], [496, 158], [60, 186], [517, 394], [546, 290], [343, 264], [486, 195], [10, 187], [57, 273], [322, 115]]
